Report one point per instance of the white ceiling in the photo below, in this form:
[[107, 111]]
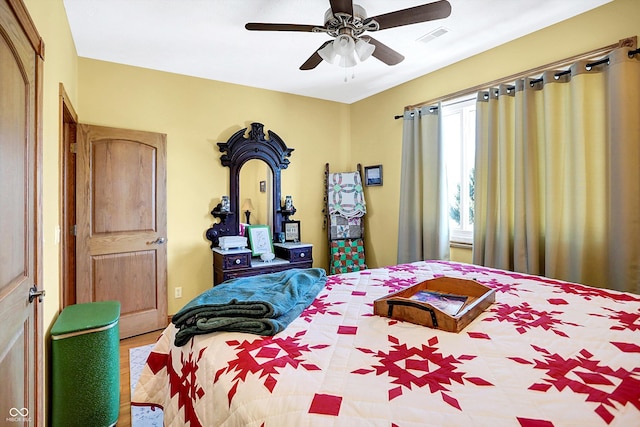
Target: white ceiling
[[207, 39]]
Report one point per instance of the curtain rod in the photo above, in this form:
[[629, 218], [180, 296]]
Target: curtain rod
[[588, 66], [629, 42], [431, 109]]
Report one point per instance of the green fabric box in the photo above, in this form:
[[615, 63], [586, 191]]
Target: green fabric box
[[85, 358]]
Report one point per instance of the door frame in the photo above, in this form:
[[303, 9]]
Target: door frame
[[68, 126]]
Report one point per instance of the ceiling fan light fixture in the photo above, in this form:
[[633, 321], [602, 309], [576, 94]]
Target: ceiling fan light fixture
[[344, 45], [364, 49], [328, 53], [346, 22], [347, 61]]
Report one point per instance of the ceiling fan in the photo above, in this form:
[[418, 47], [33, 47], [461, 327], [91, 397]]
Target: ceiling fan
[[347, 22]]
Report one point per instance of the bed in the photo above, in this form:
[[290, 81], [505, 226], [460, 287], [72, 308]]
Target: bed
[[546, 353]]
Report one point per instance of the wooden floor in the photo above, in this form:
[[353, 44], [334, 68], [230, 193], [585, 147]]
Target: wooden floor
[[124, 419]]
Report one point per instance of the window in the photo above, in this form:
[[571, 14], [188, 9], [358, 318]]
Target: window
[[459, 134]]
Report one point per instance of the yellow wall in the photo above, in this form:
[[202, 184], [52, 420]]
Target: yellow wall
[[377, 138], [196, 114]]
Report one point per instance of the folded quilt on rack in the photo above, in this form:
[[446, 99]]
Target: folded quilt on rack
[[347, 255], [261, 305], [345, 228], [345, 195]]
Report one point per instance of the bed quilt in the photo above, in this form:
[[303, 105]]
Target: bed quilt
[[546, 353]]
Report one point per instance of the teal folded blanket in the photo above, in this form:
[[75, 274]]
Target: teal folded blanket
[[261, 305]]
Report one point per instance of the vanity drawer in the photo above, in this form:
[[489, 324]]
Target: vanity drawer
[[297, 253], [233, 261], [300, 254]]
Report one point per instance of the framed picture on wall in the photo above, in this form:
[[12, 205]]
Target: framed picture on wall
[[260, 239], [291, 231], [373, 175]]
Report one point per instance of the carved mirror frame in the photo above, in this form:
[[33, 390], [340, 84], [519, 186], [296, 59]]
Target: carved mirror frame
[[238, 150]]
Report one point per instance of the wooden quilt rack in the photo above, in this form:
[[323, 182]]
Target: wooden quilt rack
[[345, 235]]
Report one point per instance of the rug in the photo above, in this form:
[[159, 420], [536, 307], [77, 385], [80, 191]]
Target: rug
[[141, 416]]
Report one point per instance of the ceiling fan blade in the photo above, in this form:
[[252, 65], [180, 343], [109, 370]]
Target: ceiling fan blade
[[257, 26], [413, 15], [342, 6], [384, 53], [314, 59]]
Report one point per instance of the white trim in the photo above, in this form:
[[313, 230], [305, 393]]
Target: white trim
[[461, 236], [83, 332]]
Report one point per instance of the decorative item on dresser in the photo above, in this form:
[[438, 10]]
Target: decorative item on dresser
[[224, 204], [260, 239], [291, 231], [287, 210], [241, 261], [247, 207]]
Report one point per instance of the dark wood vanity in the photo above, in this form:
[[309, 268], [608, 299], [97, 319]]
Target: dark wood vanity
[[231, 263]]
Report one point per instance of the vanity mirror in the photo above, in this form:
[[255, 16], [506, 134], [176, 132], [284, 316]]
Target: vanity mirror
[[252, 197], [251, 158]]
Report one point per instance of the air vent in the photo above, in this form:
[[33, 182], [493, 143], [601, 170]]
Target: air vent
[[440, 31]]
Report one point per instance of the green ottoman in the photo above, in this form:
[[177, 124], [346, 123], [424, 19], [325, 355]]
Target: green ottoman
[[85, 359]]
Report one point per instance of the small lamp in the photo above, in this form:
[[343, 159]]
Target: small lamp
[[247, 207]]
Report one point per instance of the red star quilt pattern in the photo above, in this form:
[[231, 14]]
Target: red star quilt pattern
[[546, 353]]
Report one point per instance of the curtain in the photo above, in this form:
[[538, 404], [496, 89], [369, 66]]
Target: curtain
[[558, 175], [423, 229]]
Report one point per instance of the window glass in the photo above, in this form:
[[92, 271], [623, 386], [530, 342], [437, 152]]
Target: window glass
[[458, 127]]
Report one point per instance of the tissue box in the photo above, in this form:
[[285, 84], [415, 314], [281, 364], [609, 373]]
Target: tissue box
[[232, 242]]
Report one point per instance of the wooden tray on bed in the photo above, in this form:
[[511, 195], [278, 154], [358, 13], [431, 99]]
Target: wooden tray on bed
[[445, 303]]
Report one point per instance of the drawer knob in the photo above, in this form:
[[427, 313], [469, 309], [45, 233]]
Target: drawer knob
[[238, 261], [302, 255]]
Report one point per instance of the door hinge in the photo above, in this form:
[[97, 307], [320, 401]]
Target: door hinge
[[35, 293], [73, 148], [74, 230]]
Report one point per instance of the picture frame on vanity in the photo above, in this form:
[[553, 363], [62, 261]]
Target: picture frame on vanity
[[291, 231], [373, 175], [259, 239]]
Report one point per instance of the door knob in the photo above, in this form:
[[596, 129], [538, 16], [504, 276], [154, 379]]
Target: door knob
[[158, 241]]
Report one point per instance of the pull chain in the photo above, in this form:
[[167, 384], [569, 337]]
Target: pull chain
[[353, 75]]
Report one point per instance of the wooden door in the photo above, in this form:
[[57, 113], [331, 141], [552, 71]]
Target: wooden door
[[122, 227], [21, 362]]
